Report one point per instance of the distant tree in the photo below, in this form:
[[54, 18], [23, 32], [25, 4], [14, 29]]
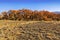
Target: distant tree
[[4, 15], [27, 15]]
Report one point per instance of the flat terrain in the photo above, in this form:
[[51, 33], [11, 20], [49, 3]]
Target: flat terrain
[[29, 30]]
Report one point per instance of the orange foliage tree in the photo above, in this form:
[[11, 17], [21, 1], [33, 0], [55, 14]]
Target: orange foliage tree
[[26, 14]]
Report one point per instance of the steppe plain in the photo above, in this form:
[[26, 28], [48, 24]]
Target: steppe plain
[[29, 30]]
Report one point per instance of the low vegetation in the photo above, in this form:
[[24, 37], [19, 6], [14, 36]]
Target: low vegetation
[[29, 30]]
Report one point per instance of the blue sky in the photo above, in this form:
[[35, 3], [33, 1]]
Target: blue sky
[[50, 5]]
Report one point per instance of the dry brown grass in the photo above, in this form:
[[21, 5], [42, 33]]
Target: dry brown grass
[[29, 30]]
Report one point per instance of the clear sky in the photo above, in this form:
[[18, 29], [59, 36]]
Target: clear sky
[[50, 5]]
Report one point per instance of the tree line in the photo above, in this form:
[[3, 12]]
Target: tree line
[[27, 15]]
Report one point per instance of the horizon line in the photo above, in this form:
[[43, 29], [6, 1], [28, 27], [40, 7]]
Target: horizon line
[[29, 9]]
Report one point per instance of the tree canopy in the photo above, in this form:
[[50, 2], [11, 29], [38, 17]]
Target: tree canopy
[[27, 15]]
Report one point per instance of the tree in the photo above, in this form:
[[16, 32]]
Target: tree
[[26, 14], [4, 15]]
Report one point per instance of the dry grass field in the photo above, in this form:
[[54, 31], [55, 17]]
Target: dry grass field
[[29, 30]]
